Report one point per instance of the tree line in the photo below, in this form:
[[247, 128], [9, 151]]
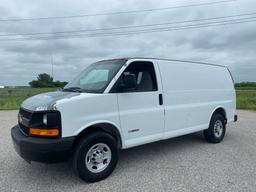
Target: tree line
[[245, 84]]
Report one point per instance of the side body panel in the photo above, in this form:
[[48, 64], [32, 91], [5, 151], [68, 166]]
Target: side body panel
[[191, 94]]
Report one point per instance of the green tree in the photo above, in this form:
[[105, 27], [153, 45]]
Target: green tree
[[45, 80], [60, 84]]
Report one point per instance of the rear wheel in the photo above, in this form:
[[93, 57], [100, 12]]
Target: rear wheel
[[95, 157], [217, 129]]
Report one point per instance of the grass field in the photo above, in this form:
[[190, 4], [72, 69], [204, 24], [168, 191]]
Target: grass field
[[246, 99], [11, 98]]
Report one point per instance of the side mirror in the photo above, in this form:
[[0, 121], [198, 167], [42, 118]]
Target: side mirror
[[129, 83]]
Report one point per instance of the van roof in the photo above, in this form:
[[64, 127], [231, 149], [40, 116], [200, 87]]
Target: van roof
[[164, 59]]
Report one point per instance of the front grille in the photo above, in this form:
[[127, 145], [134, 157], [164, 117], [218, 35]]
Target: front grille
[[25, 116]]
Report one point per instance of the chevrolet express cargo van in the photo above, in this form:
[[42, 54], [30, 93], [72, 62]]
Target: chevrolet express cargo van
[[122, 103]]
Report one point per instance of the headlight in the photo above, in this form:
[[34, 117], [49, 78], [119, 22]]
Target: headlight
[[45, 119], [45, 124]]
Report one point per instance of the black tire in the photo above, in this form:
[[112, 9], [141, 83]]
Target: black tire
[[210, 134], [85, 144]]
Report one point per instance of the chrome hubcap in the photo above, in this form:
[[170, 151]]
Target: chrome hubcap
[[218, 128], [98, 157]]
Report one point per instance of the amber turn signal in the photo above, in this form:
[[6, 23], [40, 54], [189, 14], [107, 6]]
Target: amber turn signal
[[44, 132]]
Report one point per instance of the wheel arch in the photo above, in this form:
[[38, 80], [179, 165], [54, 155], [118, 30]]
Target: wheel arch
[[219, 110], [103, 126]]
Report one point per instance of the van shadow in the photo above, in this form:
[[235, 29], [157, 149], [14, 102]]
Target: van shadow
[[160, 149], [54, 174]]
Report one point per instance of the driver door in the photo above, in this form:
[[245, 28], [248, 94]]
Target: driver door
[[141, 111]]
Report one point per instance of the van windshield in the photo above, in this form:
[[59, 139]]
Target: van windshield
[[96, 77]]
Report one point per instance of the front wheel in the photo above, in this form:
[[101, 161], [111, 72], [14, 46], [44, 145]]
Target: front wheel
[[95, 157], [217, 129]]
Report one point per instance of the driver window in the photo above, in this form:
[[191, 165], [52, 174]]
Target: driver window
[[145, 76]]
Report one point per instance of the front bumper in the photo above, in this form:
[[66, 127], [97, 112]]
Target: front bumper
[[42, 149]]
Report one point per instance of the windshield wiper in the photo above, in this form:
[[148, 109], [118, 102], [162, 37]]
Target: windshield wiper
[[73, 89]]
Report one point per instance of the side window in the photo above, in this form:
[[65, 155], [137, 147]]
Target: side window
[[145, 76]]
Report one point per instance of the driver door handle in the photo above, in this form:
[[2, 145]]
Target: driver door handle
[[160, 99]]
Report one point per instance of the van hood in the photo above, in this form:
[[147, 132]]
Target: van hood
[[45, 101]]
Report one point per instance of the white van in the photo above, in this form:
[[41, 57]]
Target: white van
[[122, 103]]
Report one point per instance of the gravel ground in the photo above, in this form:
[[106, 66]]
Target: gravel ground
[[185, 163]]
